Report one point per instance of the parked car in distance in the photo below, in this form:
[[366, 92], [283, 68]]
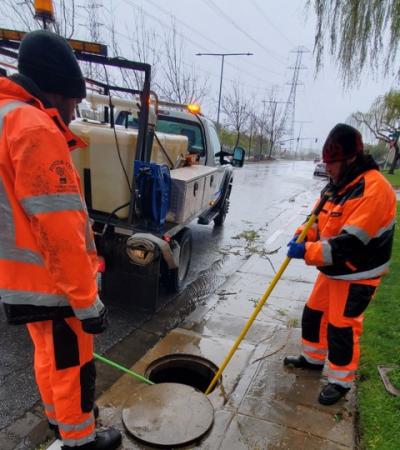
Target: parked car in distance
[[320, 170], [317, 159]]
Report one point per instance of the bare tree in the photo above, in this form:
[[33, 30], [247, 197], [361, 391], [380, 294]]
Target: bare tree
[[383, 122], [65, 12], [275, 120], [180, 84], [21, 15], [261, 123], [251, 128], [236, 107], [143, 46]]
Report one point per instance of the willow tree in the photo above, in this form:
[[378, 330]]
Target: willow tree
[[383, 122], [359, 33]]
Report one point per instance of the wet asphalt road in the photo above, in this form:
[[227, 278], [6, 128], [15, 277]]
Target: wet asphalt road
[[260, 193]]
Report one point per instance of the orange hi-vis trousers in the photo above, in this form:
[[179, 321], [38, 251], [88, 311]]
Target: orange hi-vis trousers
[[332, 324], [65, 374]]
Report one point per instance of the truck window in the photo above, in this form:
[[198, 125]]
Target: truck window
[[127, 119], [191, 130]]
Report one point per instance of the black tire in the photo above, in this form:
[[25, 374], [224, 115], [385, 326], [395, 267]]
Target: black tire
[[175, 278]]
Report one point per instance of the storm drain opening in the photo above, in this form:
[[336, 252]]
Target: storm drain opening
[[191, 370]]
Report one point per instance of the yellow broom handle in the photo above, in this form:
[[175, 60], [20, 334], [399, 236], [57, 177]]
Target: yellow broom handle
[[260, 304]]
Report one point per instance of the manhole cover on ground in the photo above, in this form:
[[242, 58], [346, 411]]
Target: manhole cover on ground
[[168, 414]]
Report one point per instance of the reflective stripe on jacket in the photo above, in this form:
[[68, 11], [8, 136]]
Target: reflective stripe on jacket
[[47, 253], [355, 230]]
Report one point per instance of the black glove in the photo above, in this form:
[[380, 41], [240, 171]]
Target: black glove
[[96, 325]]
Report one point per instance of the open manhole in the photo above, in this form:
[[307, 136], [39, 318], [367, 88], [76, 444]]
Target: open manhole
[[182, 368], [174, 411]]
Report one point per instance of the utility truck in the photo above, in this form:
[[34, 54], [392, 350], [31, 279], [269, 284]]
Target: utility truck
[[150, 169]]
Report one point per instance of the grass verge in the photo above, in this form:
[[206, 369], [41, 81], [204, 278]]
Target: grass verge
[[379, 411], [394, 179]]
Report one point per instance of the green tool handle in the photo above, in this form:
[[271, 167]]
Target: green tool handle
[[122, 369]]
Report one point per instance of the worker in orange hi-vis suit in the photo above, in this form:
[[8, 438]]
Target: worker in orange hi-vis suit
[[351, 245], [48, 260]]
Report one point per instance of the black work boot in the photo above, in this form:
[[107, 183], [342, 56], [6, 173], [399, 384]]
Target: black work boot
[[109, 439], [299, 362], [332, 393], [56, 431]]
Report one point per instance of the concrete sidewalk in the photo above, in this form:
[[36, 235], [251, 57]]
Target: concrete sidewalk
[[259, 404]]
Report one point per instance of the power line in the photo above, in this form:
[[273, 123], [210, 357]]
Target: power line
[[207, 72], [196, 44], [269, 21], [148, 47], [128, 38], [197, 32], [212, 5]]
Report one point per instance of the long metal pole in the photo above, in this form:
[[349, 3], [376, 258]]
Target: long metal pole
[[267, 293], [220, 88]]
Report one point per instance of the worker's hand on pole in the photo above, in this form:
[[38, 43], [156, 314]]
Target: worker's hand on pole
[[295, 249]]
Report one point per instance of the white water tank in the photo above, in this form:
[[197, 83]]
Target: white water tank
[[103, 161]]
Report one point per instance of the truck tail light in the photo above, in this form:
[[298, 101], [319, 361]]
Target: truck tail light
[[102, 265]]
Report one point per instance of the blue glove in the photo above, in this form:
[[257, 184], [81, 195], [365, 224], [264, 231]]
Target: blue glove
[[293, 240], [296, 250]]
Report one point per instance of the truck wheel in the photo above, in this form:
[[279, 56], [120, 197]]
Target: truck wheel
[[176, 277]]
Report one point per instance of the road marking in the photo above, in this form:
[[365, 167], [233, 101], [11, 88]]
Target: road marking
[[273, 237]]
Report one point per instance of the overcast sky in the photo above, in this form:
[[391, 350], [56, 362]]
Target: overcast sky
[[272, 30]]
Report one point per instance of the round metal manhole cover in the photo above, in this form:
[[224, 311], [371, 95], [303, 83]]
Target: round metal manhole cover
[[168, 414]]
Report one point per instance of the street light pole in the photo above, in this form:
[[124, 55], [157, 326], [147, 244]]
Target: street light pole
[[220, 88], [222, 55]]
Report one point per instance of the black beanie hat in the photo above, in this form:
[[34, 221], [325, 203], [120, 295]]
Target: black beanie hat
[[343, 142], [48, 60]]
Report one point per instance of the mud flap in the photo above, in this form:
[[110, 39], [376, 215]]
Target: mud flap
[[132, 286]]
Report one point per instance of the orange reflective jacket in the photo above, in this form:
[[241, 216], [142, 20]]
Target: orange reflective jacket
[[48, 259], [355, 229]]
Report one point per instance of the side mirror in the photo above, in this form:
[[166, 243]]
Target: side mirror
[[238, 157]]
